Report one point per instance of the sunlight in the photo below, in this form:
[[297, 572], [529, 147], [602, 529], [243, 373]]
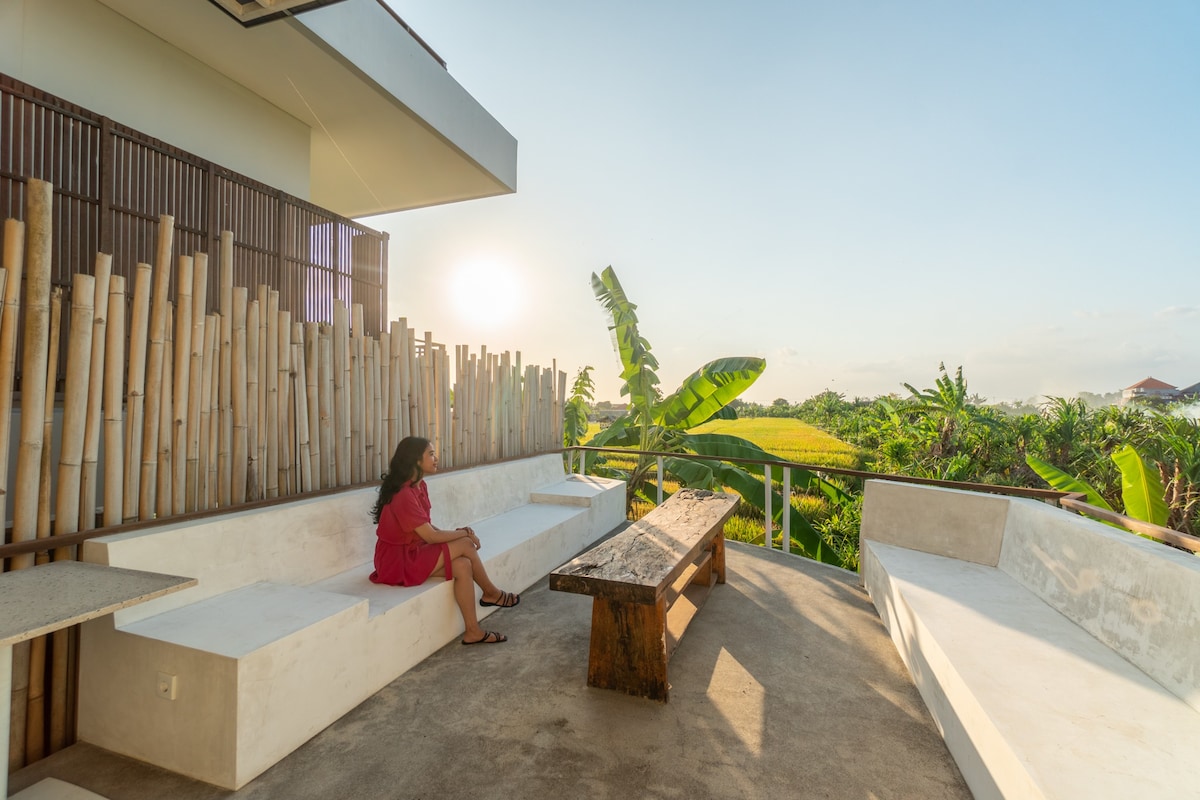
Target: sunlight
[[484, 292], [741, 699]]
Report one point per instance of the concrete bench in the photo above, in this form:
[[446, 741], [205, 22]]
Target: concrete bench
[[1059, 656], [285, 633], [647, 583]]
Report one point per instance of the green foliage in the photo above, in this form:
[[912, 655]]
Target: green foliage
[[664, 424], [1141, 489], [575, 412]]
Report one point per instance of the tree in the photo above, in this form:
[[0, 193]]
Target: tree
[[575, 413], [656, 423]]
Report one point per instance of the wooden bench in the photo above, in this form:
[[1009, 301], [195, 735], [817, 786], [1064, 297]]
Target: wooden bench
[[647, 583]]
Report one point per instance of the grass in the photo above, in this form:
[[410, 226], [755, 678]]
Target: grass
[[790, 440]]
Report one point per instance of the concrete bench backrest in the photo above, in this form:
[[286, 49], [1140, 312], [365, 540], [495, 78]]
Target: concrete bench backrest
[[1139, 597], [307, 540]]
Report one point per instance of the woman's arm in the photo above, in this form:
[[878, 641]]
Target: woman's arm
[[435, 535]]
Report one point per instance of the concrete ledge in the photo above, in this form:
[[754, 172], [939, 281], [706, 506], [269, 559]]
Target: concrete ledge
[[1066, 668], [287, 632], [241, 703], [965, 525], [1139, 597], [1043, 707]]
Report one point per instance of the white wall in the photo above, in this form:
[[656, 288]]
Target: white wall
[[91, 56]]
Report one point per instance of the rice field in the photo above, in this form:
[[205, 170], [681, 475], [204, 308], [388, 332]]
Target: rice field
[[790, 440]]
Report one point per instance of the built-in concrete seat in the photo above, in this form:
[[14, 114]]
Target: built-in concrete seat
[[1058, 655], [285, 632]]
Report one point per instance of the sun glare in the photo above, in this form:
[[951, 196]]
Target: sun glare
[[485, 292]]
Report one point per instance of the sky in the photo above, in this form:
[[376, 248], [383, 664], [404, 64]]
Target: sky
[[854, 190]]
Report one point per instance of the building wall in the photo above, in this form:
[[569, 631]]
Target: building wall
[[93, 57]]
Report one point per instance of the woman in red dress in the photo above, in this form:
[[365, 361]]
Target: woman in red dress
[[410, 549]]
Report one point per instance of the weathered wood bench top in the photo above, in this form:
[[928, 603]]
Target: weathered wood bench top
[[642, 561]]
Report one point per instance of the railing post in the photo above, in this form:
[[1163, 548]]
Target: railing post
[[786, 510], [659, 466], [767, 506]]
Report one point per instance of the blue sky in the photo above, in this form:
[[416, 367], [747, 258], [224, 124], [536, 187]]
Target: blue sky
[[855, 191]]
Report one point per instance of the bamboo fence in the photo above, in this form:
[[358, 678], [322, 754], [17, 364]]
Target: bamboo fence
[[194, 409]]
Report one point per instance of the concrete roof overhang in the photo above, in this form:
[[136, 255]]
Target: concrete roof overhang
[[391, 129]]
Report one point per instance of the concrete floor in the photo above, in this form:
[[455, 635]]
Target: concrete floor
[[786, 685]]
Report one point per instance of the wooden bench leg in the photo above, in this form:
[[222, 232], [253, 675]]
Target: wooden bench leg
[[718, 554], [629, 648]]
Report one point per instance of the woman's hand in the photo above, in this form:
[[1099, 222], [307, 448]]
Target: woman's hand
[[470, 534]]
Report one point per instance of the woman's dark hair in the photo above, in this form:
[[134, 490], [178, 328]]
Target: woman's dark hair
[[405, 466]]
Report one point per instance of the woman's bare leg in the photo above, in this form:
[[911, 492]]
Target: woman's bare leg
[[464, 596], [462, 548], [467, 569]]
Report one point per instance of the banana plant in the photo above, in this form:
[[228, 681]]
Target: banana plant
[[575, 411], [1141, 489], [663, 424]]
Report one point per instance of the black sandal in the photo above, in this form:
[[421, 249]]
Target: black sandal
[[506, 600], [489, 637]]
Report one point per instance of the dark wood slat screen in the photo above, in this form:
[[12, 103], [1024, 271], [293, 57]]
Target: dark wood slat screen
[[111, 184]]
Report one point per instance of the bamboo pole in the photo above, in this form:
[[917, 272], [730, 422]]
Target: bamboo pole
[[312, 337], [192, 467], [136, 403], [14, 255], [326, 407], [224, 473], [377, 429], [386, 443], [272, 419], [91, 436], [35, 733], [369, 400], [70, 464], [264, 420], [148, 479], [75, 403], [404, 368], [253, 420], [239, 396], [114, 379], [283, 363], [207, 463], [184, 286], [45, 483], [165, 472], [341, 399], [300, 392], [39, 208], [213, 369], [354, 392]]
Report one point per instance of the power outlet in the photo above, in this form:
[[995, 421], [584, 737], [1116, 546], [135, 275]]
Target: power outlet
[[167, 686]]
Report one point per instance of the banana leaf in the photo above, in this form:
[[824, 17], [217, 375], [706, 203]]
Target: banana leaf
[[752, 491], [1141, 489], [637, 362], [722, 445], [1065, 483], [707, 390]]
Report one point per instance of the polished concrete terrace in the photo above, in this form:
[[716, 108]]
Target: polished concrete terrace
[[786, 685]]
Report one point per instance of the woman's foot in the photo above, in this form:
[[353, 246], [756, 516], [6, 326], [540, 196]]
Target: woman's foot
[[503, 600], [489, 637]]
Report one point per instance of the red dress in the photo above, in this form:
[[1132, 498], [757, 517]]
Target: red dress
[[402, 557]]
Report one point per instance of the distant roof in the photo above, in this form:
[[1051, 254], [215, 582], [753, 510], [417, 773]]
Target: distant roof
[[1150, 383], [1193, 389]]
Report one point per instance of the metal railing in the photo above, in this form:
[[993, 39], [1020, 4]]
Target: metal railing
[[1069, 501]]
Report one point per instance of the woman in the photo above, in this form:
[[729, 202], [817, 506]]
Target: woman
[[410, 549]]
